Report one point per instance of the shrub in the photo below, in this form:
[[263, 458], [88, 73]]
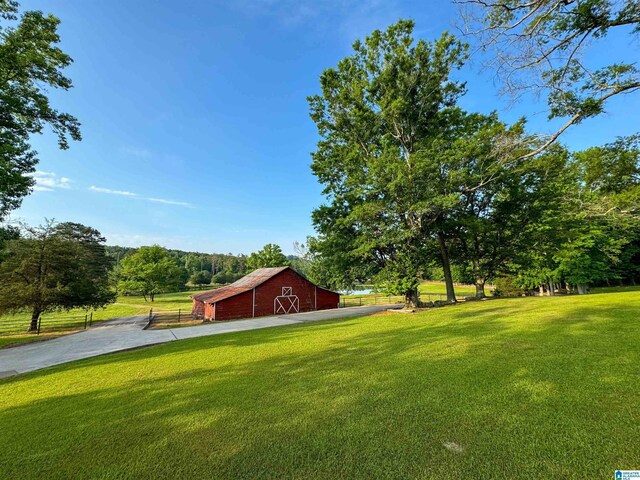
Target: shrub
[[505, 286], [200, 278]]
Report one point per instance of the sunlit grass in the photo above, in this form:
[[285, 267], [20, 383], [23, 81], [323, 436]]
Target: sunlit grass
[[523, 388], [460, 289]]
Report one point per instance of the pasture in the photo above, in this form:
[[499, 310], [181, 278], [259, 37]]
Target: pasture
[[13, 328], [530, 388]]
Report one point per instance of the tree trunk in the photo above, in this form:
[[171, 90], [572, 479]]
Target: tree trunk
[[446, 268], [541, 290], [552, 289], [411, 298], [35, 316], [480, 289], [582, 289], [152, 296]]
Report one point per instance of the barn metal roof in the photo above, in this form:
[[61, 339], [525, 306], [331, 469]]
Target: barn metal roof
[[246, 283]]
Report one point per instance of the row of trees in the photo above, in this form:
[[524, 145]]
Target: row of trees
[[60, 266], [412, 179], [200, 268]]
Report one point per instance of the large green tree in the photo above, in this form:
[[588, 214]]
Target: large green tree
[[53, 267], [269, 256], [380, 111], [30, 64], [542, 47], [149, 271], [498, 202]]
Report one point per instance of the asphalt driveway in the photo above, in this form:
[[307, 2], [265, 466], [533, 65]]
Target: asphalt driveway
[[125, 333]]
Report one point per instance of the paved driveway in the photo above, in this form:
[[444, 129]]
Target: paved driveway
[[125, 333]]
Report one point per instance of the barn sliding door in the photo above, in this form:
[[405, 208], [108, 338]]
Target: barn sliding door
[[286, 303]]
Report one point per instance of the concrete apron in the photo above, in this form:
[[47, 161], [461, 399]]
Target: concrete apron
[[126, 333]]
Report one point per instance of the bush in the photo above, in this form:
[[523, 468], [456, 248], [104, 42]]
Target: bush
[[224, 277], [505, 286], [200, 278]]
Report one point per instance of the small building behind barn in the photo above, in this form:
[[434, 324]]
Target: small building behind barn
[[265, 291]]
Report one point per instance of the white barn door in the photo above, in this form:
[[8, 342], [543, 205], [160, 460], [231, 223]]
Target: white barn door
[[286, 303]]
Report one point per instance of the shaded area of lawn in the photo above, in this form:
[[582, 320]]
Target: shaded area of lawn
[[524, 388]]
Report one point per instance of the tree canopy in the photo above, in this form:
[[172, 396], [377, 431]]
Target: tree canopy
[[380, 110], [53, 267], [149, 271], [542, 47], [30, 64], [410, 178], [269, 256]]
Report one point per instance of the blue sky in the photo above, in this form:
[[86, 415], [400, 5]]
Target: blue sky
[[195, 121]]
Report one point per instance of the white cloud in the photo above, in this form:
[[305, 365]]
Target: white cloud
[[169, 202], [48, 181], [137, 152], [125, 193], [93, 188], [352, 18]]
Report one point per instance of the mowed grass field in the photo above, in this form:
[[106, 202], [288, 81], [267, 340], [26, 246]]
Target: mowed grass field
[[523, 388], [440, 288]]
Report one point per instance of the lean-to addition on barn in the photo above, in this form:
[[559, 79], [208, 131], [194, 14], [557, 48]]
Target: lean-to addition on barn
[[265, 291]]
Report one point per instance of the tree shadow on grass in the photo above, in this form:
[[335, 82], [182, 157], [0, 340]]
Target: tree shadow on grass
[[549, 400]]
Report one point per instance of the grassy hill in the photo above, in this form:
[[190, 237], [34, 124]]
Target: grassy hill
[[515, 388]]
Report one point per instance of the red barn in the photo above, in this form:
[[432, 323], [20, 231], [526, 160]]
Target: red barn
[[265, 291]]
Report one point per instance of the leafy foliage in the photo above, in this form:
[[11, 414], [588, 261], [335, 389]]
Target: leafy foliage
[[55, 266], [591, 236], [270, 256], [381, 110], [224, 268], [30, 62], [149, 271], [202, 277], [542, 46]]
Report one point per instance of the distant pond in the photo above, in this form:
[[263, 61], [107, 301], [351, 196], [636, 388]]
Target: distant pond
[[357, 291]]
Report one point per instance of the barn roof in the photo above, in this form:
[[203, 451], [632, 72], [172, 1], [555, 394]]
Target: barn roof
[[246, 283]]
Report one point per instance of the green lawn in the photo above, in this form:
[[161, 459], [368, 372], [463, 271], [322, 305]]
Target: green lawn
[[439, 287], [523, 388], [166, 301], [426, 288]]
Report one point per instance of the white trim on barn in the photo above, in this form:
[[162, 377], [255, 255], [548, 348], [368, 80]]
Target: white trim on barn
[[286, 304]]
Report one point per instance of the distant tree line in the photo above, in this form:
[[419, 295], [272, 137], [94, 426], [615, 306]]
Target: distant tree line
[[199, 268]]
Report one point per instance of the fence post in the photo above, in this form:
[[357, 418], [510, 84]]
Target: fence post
[[85, 321], [178, 315], [39, 323], [91, 319]]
